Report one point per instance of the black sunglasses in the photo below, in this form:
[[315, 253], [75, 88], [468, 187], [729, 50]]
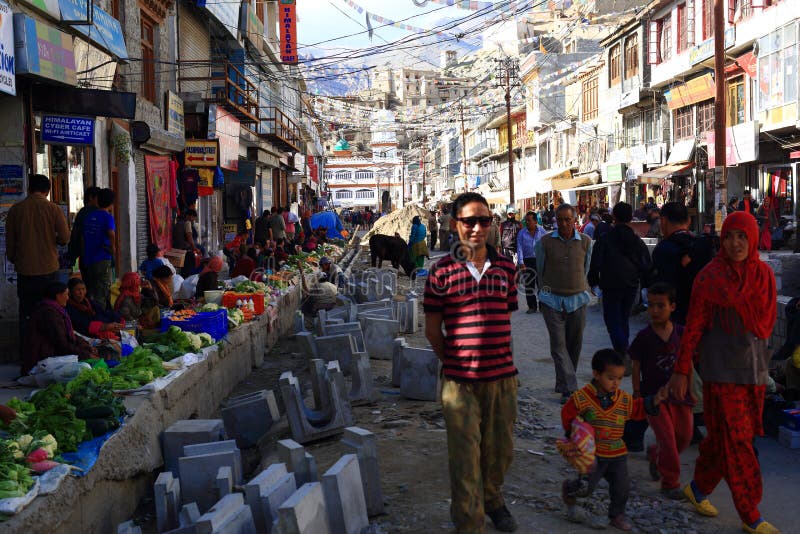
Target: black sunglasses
[[470, 221]]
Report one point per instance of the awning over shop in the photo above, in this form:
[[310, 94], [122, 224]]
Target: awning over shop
[[594, 187], [681, 151], [655, 176]]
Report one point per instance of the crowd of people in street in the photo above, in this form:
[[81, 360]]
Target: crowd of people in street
[[711, 305]]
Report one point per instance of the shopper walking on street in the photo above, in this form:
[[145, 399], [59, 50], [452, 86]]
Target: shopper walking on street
[[475, 286], [620, 262], [277, 225], [433, 228], [417, 242], [731, 317], [526, 258], [75, 247], [508, 233], [562, 262], [444, 231], [98, 248], [34, 227]]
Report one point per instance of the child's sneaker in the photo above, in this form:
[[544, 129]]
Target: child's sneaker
[[621, 522], [703, 507], [764, 527]]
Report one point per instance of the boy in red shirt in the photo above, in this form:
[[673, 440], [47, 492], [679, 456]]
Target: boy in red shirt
[[653, 354], [606, 407]]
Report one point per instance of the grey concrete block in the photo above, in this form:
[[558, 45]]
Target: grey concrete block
[[298, 461], [230, 515], [256, 490], [352, 328], [299, 322], [361, 378], [338, 347], [224, 481], [309, 425], [419, 374], [188, 432], [167, 499], [307, 343], [344, 496], [276, 495], [398, 346], [198, 476], [227, 446], [189, 515], [363, 444], [379, 335], [304, 512], [407, 312], [249, 417], [129, 527]]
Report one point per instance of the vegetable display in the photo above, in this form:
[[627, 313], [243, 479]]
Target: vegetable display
[[137, 369]]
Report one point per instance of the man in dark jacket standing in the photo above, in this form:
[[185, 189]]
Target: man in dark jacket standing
[[508, 233], [619, 263]]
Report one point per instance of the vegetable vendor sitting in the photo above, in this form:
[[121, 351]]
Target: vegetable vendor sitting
[[246, 263], [330, 272], [209, 276], [155, 258], [162, 284], [88, 317], [137, 301], [50, 332]]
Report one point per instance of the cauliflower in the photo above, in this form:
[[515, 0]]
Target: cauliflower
[[206, 339], [49, 444], [195, 340]]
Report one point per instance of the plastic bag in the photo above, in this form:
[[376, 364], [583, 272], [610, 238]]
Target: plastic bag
[[188, 287], [128, 342], [177, 282], [57, 369], [579, 449]]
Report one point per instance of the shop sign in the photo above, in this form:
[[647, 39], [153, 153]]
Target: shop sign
[[174, 116], [201, 153], [705, 50], [49, 7], [252, 27], [225, 128], [63, 130], [43, 50], [104, 31], [11, 184], [8, 76], [655, 154], [794, 155], [741, 144], [638, 153], [288, 26], [694, 91], [614, 172], [225, 11]]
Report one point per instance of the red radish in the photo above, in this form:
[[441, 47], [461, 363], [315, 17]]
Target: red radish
[[46, 465], [39, 455]]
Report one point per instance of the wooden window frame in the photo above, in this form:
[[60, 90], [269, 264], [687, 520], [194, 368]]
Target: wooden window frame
[[734, 105], [590, 94], [683, 123], [615, 64], [654, 42], [705, 116], [631, 56], [665, 38], [683, 30], [708, 18], [148, 70]]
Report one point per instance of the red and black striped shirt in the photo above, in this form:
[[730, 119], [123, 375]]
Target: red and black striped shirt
[[477, 317]]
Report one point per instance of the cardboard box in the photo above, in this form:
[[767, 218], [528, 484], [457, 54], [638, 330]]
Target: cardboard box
[[176, 256]]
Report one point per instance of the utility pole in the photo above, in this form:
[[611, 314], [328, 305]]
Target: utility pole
[[507, 70], [463, 143], [403, 174], [720, 169], [422, 163]]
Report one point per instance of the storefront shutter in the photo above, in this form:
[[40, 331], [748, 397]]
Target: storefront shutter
[[195, 45]]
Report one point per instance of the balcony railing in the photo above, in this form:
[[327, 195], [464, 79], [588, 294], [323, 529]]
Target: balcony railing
[[230, 88], [280, 130]]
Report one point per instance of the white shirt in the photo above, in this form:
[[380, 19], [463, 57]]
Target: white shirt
[[474, 270]]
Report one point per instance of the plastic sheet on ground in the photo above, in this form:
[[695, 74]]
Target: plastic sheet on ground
[[51, 480], [88, 452], [17, 504]]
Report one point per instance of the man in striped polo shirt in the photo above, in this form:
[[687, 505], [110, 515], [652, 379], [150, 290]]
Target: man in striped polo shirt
[[471, 294]]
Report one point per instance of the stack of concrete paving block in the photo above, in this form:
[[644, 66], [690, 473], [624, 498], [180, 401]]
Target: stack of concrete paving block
[[352, 328], [339, 347], [297, 461], [363, 444], [353, 363], [407, 312], [309, 425], [229, 515], [199, 471], [362, 390], [304, 512], [415, 371], [250, 416], [344, 496], [167, 497], [266, 492], [188, 432]]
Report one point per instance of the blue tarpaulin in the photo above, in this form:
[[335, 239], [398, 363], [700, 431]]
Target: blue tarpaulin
[[329, 220], [88, 452]]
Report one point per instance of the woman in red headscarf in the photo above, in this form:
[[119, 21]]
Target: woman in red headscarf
[[208, 280], [129, 301], [731, 315]]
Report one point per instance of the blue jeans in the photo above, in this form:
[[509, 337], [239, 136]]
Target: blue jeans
[[617, 304]]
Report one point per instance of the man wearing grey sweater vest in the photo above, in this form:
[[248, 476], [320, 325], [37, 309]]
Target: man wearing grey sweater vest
[[562, 259]]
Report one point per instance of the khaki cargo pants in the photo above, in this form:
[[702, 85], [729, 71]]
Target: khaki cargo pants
[[480, 445]]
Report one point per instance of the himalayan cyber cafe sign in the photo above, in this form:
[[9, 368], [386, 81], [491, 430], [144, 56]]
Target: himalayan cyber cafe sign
[[8, 76], [65, 130]]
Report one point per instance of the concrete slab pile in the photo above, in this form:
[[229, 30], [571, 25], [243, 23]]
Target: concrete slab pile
[[362, 391], [188, 432], [379, 337], [308, 344], [298, 461], [250, 416], [415, 371], [304, 512], [266, 492], [199, 469], [363, 444], [344, 496], [309, 425], [407, 312], [352, 328], [224, 481], [167, 497], [339, 347], [230, 515]]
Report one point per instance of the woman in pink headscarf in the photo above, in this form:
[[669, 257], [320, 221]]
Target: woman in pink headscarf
[[208, 276]]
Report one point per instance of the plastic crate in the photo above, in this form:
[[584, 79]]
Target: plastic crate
[[213, 323], [791, 419], [229, 299]]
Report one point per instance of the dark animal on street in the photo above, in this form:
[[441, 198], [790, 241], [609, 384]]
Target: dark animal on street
[[392, 248]]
